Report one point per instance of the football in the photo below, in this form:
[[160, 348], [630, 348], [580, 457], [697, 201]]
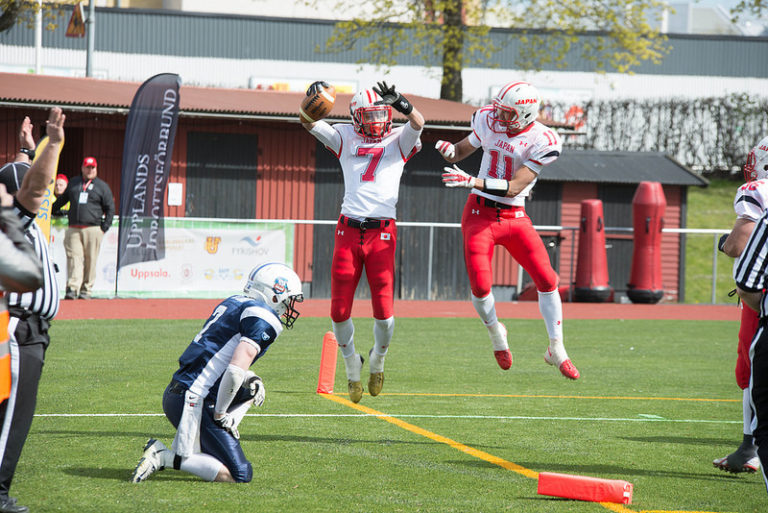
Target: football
[[315, 107]]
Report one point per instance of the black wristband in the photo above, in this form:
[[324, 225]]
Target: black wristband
[[402, 105], [496, 186], [28, 152], [721, 242]]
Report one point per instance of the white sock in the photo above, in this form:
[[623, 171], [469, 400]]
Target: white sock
[[345, 337], [498, 336], [747, 411], [551, 308], [382, 334], [486, 308], [353, 366], [200, 464]]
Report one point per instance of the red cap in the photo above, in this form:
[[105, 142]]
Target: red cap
[[62, 177], [89, 162]]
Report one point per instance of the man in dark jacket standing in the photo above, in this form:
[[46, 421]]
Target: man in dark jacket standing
[[91, 209]]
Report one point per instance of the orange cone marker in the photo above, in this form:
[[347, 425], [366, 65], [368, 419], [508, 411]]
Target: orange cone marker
[[585, 488], [327, 364]]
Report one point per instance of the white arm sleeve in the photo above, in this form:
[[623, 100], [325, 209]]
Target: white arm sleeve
[[325, 133], [231, 381], [408, 139]]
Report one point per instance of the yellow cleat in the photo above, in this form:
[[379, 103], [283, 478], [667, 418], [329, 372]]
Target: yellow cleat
[[375, 383], [355, 391]]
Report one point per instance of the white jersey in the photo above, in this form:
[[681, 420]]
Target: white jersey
[[534, 147], [372, 170], [751, 200]]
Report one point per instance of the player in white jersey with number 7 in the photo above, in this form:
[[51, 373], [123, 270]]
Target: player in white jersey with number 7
[[515, 150], [372, 155]]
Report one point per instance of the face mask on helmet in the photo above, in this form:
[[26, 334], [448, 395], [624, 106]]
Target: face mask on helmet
[[514, 108], [756, 167], [279, 287], [370, 116]]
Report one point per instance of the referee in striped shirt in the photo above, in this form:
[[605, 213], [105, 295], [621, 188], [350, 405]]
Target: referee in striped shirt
[[30, 312], [751, 275]]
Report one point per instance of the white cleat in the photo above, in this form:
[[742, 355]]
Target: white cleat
[[151, 461]]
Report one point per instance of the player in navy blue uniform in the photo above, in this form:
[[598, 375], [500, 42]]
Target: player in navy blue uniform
[[214, 388]]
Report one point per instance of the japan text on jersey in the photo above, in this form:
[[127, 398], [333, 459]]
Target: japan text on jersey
[[234, 319]]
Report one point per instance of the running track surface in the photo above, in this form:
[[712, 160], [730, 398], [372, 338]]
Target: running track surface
[[202, 308]]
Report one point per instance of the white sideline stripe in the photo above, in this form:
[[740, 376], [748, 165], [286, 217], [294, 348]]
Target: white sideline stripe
[[494, 417]]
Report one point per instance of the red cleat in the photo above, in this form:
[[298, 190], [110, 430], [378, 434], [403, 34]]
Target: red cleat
[[568, 370], [503, 358]]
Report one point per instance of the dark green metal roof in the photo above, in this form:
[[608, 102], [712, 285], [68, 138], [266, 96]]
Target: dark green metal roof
[[620, 167]]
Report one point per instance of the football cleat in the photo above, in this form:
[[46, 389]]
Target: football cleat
[[503, 358], [567, 368], [375, 383], [355, 389], [498, 334], [738, 462], [151, 461]]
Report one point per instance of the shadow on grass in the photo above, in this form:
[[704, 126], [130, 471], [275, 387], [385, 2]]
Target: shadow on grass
[[124, 474], [683, 440], [613, 470]]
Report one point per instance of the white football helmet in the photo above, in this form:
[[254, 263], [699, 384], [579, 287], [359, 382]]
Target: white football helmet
[[514, 108], [277, 285], [370, 115], [756, 167]]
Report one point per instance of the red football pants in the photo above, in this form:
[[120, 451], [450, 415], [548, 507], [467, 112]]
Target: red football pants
[[354, 249], [749, 323], [485, 227]]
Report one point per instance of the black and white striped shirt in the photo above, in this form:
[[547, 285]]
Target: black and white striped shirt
[[45, 300], [751, 269]]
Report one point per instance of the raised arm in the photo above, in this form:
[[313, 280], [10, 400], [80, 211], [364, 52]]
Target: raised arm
[[36, 181]]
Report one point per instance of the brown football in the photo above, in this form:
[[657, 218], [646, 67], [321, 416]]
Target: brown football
[[317, 106]]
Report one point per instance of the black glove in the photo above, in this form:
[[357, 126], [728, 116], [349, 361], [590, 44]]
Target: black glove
[[313, 89], [721, 243], [398, 102]]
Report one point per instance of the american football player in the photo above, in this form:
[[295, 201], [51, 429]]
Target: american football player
[[515, 150], [213, 388], [372, 154], [750, 202]]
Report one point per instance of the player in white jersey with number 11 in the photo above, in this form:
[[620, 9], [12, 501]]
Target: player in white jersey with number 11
[[516, 148]]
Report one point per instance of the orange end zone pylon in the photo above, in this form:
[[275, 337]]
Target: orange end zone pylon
[[585, 488], [327, 364]]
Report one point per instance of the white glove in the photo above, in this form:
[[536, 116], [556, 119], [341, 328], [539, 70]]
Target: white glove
[[446, 149], [261, 392], [455, 177], [227, 422]]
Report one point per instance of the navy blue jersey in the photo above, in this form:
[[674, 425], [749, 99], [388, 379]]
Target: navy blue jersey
[[237, 318]]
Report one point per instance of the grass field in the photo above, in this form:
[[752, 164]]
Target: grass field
[[657, 402]]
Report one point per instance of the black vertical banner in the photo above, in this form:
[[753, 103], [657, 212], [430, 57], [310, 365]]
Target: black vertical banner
[[147, 151]]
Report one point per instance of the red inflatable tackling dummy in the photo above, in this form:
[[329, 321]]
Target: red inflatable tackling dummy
[[585, 488], [648, 207], [592, 263]]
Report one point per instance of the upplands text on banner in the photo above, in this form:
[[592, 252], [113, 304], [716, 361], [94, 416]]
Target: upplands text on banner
[[147, 151]]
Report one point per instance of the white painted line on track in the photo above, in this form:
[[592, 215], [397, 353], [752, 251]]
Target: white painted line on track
[[419, 416]]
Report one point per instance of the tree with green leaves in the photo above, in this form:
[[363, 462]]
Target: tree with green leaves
[[24, 11], [614, 35]]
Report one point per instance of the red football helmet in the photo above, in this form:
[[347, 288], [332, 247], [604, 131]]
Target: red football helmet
[[514, 108], [370, 115], [756, 167]]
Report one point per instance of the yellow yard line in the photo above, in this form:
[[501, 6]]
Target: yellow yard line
[[535, 396], [490, 458]]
